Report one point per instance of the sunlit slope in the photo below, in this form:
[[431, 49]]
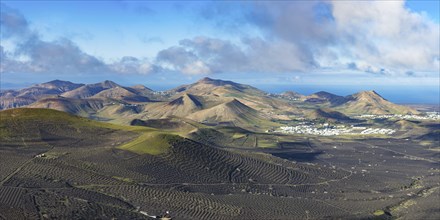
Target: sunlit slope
[[27, 126], [215, 91], [90, 89], [82, 107], [234, 112], [369, 102], [124, 94], [181, 106], [26, 96], [153, 143]]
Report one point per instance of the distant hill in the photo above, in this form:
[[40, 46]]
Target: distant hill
[[292, 95], [365, 102], [121, 94], [214, 92], [83, 107], [26, 96], [140, 88], [181, 106], [208, 85], [59, 85], [12, 99], [90, 90], [327, 114], [369, 102], [232, 111], [325, 98]]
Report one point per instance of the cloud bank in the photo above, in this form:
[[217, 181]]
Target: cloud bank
[[61, 56], [383, 38]]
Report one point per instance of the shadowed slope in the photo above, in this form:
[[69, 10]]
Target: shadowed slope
[[327, 114], [325, 98]]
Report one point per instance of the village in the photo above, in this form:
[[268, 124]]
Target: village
[[426, 116], [328, 130]]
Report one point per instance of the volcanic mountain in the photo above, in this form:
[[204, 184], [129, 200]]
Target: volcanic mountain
[[325, 98], [141, 88], [327, 114], [233, 112], [119, 93], [210, 86], [369, 102], [83, 107], [26, 96], [90, 90], [214, 92], [59, 85], [292, 95], [181, 106]]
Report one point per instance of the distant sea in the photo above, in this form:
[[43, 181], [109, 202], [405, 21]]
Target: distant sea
[[396, 94]]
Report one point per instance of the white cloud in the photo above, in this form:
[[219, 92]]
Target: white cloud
[[379, 37], [31, 54], [387, 35], [195, 68], [129, 65]]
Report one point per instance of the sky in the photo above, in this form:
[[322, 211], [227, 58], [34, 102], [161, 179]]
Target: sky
[[340, 46]]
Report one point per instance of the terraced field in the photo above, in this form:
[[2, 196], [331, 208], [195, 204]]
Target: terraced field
[[73, 168]]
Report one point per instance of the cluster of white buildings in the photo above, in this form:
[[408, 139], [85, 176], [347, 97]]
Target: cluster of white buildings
[[325, 130], [378, 131], [311, 129], [160, 92], [283, 96], [427, 116]]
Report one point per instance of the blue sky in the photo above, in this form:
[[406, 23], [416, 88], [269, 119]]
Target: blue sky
[[297, 44]]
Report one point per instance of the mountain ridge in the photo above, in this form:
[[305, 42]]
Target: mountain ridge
[[209, 100], [90, 89]]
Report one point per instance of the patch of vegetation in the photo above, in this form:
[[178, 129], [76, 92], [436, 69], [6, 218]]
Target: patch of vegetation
[[378, 212], [238, 135], [124, 179], [267, 143], [426, 143], [153, 143]]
